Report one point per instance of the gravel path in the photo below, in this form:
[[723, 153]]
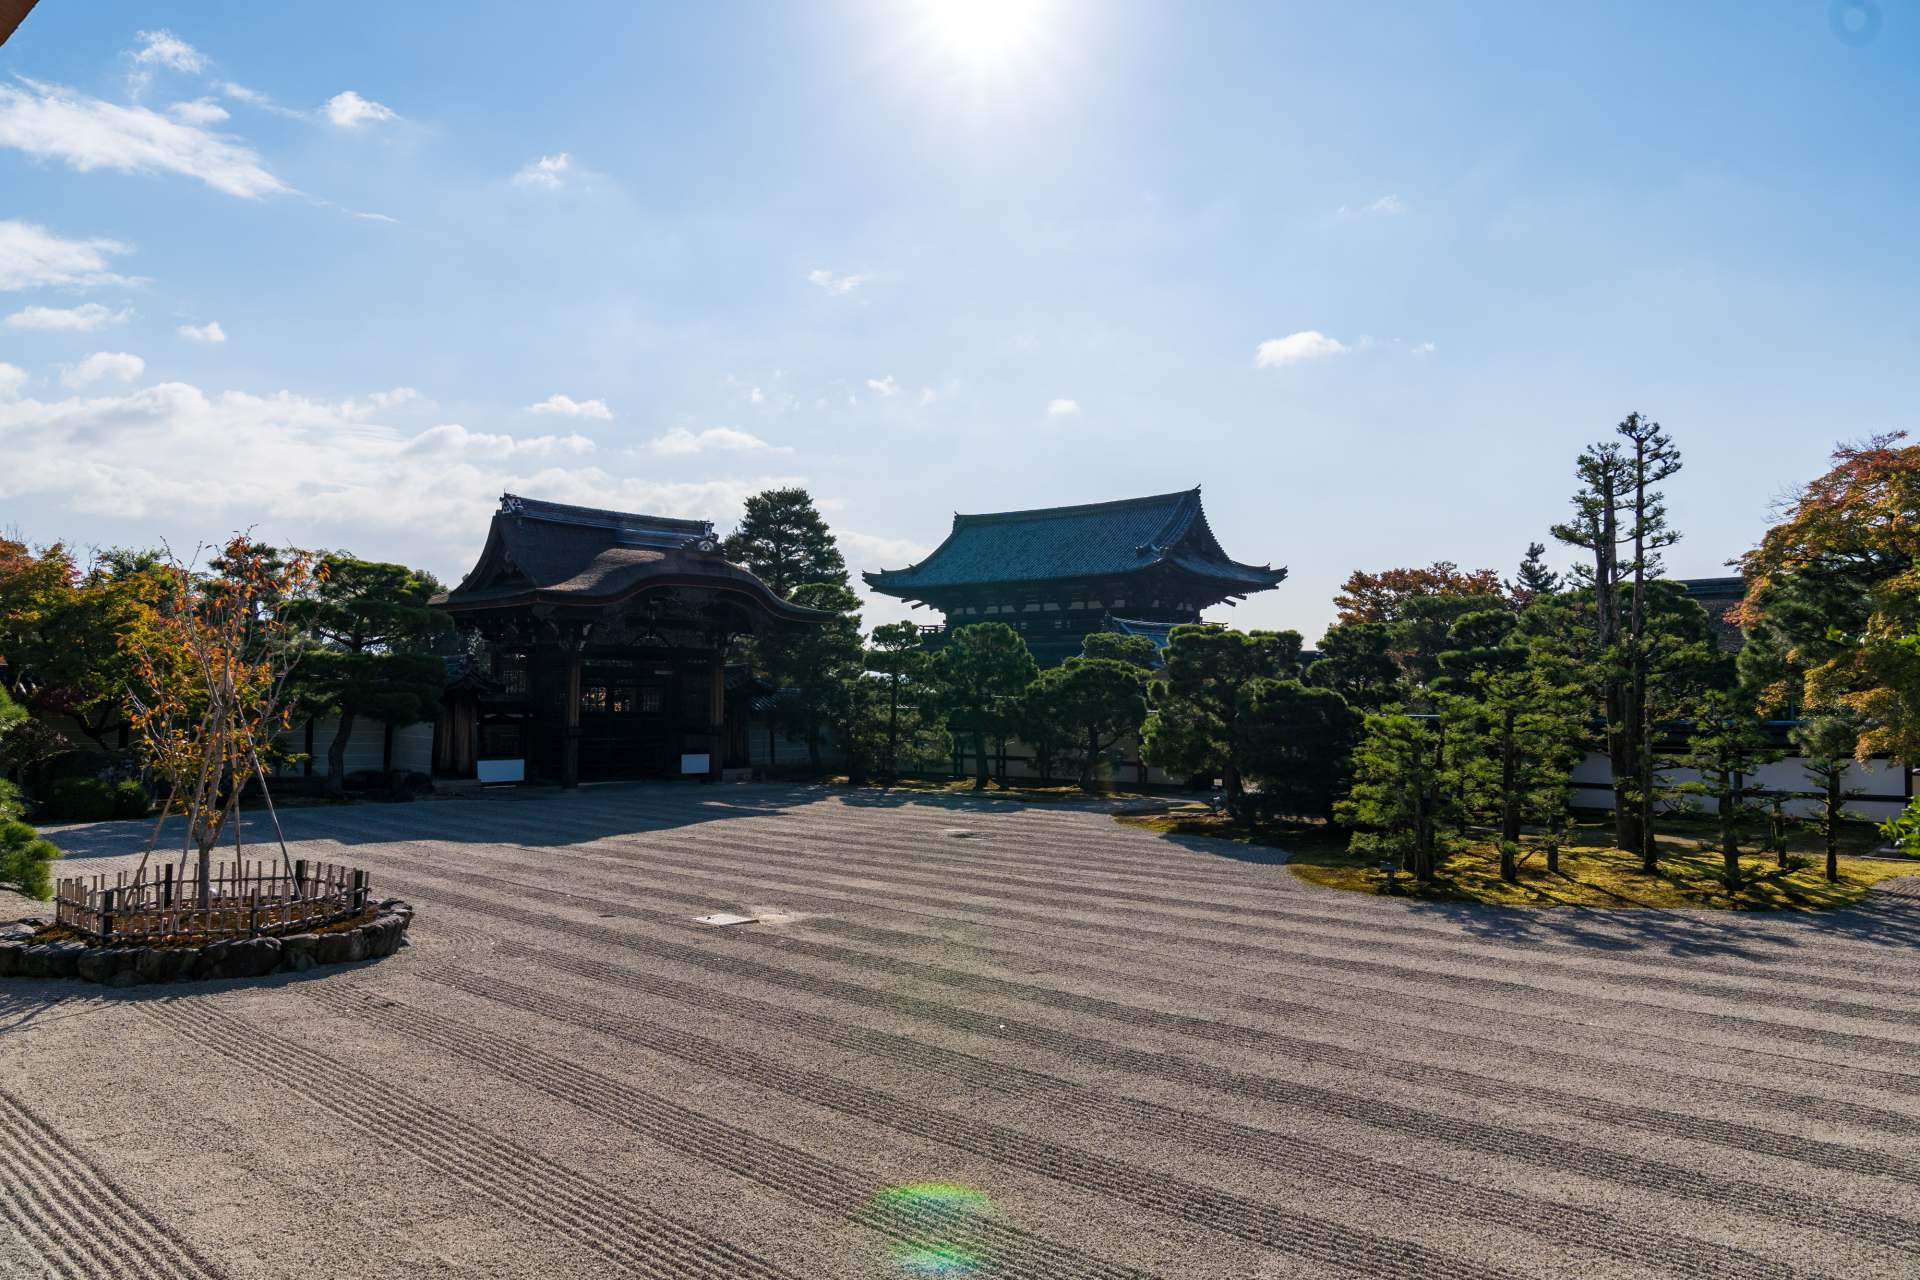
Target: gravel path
[[1154, 1056]]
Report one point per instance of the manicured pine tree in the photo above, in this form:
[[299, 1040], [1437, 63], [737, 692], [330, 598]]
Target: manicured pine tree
[[1297, 742], [1725, 746], [372, 649], [785, 542], [1403, 795], [1620, 518], [1105, 701], [980, 668], [1197, 699], [901, 662], [1826, 740], [819, 661]]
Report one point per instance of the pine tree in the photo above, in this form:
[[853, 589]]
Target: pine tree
[[897, 656], [1620, 518], [786, 544], [1402, 796], [1725, 747], [1826, 740], [980, 669], [1534, 581]]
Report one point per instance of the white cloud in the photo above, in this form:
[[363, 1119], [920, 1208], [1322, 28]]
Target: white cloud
[[164, 49], [680, 441], [348, 110], [884, 386], [32, 257], [548, 173], [12, 378], [1062, 408], [89, 133], [568, 407], [372, 217], [453, 438], [879, 551], [119, 365], [208, 332], [836, 284], [1387, 206], [926, 396], [82, 319], [1296, 348], [199, 111], [1424, 348], [191, 464]]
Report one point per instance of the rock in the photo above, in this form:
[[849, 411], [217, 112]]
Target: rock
[[10, 958], [297, 951], [126, 978], [94, 966], [161, 964], [55, 959], [20, 931], [341, 948], [213, 961], [265, 954]]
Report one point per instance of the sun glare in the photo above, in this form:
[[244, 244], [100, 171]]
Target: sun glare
[[985, 33]]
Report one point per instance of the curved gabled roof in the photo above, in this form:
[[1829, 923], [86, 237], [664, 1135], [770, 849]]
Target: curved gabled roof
[[552, 553], [1094, 540]]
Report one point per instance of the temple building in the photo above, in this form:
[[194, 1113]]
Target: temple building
[[1140, 565], [607, 636]]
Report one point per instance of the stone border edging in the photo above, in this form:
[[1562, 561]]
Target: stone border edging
[[385, 934]]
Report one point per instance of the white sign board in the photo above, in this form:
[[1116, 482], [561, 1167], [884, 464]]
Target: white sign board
[[694, 763], [501, 770]]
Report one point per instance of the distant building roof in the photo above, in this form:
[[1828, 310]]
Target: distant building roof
[[1095, 540], [1718, 596], [1154, 631], [553, 553]]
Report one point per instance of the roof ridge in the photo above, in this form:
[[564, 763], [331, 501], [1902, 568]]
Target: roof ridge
[[515, 504], [1083, 508]]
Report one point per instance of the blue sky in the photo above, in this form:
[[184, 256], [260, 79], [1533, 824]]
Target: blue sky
[[1371, 273]]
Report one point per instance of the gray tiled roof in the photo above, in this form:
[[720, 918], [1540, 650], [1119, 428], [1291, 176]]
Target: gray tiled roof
[[1096, 540], [551, 551]]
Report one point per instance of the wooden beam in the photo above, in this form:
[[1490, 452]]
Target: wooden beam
[[12, 14]]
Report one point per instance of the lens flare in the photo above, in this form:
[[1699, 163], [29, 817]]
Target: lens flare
[[936, 1226]]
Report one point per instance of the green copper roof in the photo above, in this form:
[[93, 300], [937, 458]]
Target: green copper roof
[[1097, 540]]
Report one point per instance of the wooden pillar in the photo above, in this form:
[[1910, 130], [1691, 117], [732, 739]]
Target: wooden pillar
[[717, 712], [570, 746]]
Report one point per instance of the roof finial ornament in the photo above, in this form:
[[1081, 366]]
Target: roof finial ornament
[[510, 504]]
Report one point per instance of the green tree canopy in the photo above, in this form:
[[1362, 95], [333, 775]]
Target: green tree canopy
[[1198, 697], [903, 668], [1104, 699], [980, 668], [1137, 650], [371, 649], [1297, 744], [1356, 661], [819, 663], [784, 541], [1403, 795]]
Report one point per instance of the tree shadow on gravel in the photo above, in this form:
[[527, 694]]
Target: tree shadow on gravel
[[1884, 920], [531, 817]]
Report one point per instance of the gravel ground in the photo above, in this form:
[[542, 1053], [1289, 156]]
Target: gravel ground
[[1152, 1056]]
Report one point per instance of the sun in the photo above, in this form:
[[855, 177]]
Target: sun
[[985, 33]]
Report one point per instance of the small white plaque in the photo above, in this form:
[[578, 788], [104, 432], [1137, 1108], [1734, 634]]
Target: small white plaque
[[500, 770], [697, 763], [723, 917]]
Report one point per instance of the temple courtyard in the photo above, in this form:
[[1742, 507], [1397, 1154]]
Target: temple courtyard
[[960, 1037]]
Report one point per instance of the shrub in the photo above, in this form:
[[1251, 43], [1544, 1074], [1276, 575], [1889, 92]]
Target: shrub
[[11, 803], [24, 859], [130, 799], [78, 800]]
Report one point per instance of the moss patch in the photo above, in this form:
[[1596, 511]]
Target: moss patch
[[1591, 874]]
